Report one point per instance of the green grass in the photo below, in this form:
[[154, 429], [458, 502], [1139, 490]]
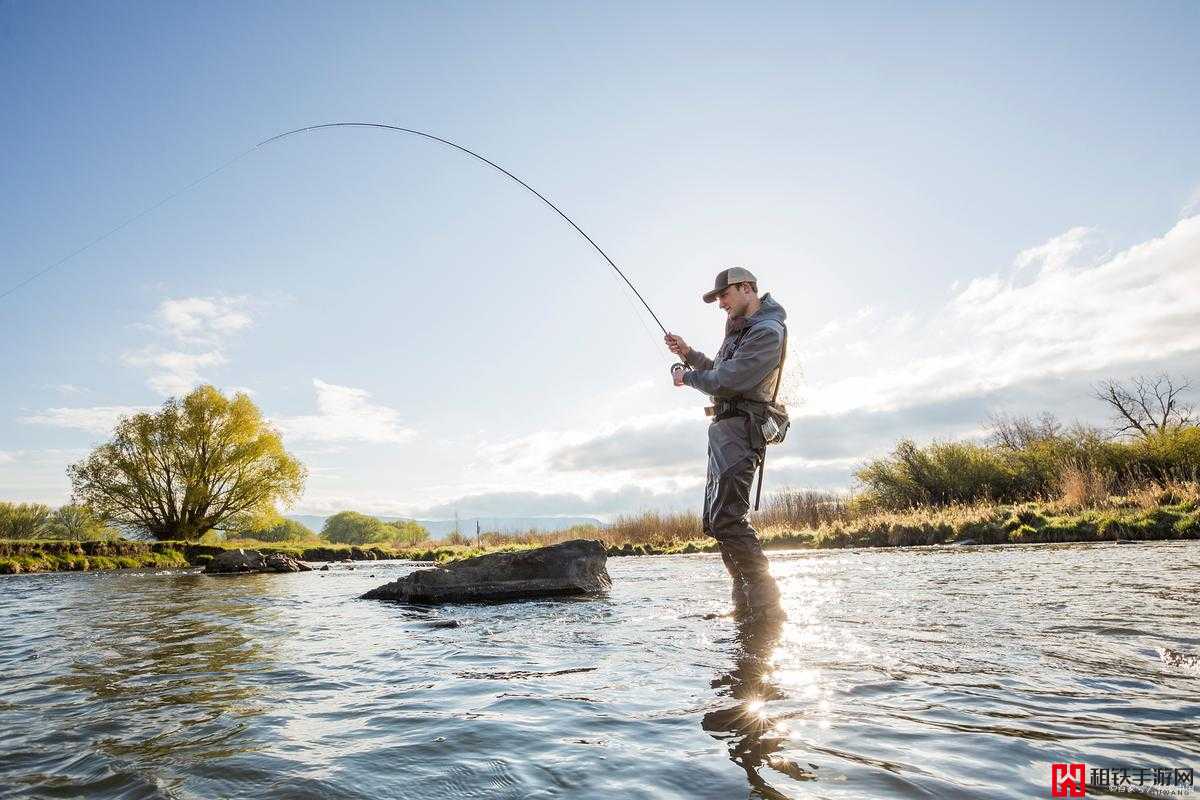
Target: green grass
[[1025, 523], [1151, 515], [33, 560], [18, 556]]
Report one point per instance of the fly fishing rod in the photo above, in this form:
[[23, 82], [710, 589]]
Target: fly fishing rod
[[380, 125], [490, 163]]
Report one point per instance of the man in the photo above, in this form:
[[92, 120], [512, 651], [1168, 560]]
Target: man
[[741, 379]]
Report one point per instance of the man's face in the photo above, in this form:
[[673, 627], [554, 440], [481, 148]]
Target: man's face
[[735, 300]]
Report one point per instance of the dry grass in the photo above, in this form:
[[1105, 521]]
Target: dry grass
[[1082, 492], [1167, 493], [1084, 486], [654, 527], [799, 510], [788, 510]]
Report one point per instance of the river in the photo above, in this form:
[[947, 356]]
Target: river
[[925, 672]]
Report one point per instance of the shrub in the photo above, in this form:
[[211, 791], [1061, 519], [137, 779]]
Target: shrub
[[287, 530], [350, 527], [456, 538], [77, 523], [1080, 466], [940, 474], [23, 520], [407, 532]]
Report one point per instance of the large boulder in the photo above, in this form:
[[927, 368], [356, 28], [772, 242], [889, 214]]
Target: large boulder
[[233, 561], [576, 567]]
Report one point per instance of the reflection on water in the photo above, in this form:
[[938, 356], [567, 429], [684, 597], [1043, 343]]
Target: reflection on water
[[753, 736], [146, 660], [908, 673]]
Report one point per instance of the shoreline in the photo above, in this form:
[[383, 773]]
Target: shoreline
[[970, 526]]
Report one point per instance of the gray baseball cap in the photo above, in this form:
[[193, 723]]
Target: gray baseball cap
[[728, 277]]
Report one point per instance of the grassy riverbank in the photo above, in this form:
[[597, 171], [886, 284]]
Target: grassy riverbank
[[1169, 514], [819, 521], [40, 555]]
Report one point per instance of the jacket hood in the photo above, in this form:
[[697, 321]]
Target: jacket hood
[[768, 309]]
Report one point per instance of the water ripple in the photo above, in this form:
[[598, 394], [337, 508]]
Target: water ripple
[[954, 673]]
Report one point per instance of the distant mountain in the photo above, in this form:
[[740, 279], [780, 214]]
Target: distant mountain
[[441, 528]]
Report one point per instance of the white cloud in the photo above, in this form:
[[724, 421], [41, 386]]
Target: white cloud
[[836, 326], [97, 419], [643, 446], [1131, 307], [979, 289], [1078, 247], [634, 389], [204, 320], [66, 388], [7, 457], [1192, 207], [204, 323], [901, 323], [174, 372], [345, 414]]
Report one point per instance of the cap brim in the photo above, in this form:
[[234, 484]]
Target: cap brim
[[709, 297]]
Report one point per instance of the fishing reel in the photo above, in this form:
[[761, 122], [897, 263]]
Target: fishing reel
[[678, 366]]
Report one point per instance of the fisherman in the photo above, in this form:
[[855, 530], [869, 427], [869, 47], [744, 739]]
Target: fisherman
[[742, 380]]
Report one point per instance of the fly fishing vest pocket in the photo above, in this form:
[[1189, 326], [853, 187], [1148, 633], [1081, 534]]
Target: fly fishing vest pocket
[[768, 422], [774, 424]]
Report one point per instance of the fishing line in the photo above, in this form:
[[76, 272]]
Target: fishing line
[[128, 222], [276, 138]]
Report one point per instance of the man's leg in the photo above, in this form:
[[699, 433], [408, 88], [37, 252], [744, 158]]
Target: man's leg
[[711, 486], [741, 603], [740, 548]]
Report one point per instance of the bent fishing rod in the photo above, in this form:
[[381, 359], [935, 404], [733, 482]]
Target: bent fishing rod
[[490, 163], [379, 125]]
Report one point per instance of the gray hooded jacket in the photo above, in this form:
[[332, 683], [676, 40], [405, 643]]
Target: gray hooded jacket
[[748, 370]]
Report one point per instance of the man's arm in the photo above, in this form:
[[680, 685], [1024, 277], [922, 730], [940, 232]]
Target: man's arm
[[755, 358], [692, 357], [697, 360]]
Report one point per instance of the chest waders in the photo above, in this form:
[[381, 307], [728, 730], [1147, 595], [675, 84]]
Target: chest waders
[[767, 425]]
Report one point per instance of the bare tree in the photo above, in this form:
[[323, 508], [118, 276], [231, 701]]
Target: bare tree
[[1018, 432], [1147, 405]]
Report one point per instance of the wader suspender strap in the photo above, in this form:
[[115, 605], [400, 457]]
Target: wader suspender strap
[[762, 464]]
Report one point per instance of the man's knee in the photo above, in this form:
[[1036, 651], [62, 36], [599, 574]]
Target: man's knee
[[729, 519], [728, 514]]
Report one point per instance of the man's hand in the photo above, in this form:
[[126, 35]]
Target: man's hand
[[677, 345], [677, 375]]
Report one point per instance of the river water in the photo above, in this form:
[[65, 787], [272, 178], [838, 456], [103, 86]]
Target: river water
[[956, 673]]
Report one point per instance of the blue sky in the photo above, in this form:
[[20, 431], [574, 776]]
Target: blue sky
[[965, 208]]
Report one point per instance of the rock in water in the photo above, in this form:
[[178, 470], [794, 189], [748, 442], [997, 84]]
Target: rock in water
[[278, 562], [253, 561], [576, 567], [1175, 658]]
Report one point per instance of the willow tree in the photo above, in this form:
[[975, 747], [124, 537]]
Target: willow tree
[[201, 463]]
